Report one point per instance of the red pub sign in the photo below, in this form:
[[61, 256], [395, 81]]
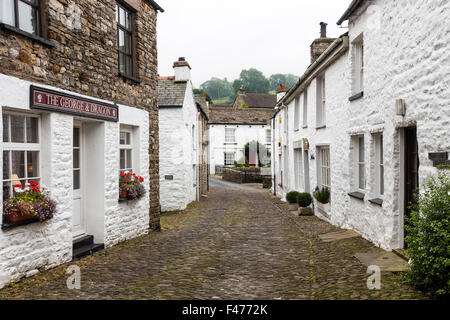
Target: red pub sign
[[46, 99]]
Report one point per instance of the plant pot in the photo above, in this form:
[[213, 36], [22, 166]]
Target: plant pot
[[305, 211], [19, 217], [123, 194], [324, 207], [293, 206]]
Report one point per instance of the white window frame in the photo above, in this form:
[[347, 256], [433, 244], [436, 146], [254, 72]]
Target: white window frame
[[358, 64], [230, 138], [126, 147], [324, 167], [229, 161], [305, 108], [297, 113], [24, 147], [321, 101]]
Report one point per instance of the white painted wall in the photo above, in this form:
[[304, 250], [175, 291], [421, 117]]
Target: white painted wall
[[244, 133], [25, 249], [406, 57], [178, 153]]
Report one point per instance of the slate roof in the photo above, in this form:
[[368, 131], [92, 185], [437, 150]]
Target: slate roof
[[260, 100], [171, 93], [225, 114]]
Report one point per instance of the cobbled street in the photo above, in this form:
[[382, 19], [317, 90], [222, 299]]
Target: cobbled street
[[239, 243]]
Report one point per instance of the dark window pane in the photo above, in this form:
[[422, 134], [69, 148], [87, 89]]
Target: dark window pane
[[5, 128], [76, 158], [33, 164], [123, 138], [128, 138], [122, 159], [128, 20], [17, 128], [7, 12], [122, 40], [76, 179], [76, 137], [129, 164], [128, 65], [127, 43], [28, 18], [6, 165], [18, 164], [121, 63], [32, 130], [6, 190]]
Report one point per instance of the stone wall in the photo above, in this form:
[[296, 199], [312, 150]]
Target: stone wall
[[242, 175], [84, 60]]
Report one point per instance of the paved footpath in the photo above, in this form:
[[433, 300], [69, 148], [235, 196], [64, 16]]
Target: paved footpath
[[239, 243]]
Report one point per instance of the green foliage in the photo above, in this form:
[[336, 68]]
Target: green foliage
[[244, 106], [304, 199], [428, 237], [291, 196], [322, 195], [217, 88], [287, 79], [253, 81], [202, 92]]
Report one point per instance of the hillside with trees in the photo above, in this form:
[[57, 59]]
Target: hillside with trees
[[252, 80]]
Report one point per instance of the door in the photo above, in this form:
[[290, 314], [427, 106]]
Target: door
[[306, 173], [411, 170], [298, 169], [79, 219]]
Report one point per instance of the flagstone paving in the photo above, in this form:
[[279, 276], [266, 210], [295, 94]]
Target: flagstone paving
[[239, 243]]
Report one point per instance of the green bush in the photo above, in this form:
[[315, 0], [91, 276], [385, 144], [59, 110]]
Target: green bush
[[322, 195], [428, 238], [304, 199], [291, 196]]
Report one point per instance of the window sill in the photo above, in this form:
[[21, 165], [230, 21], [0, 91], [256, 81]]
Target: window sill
[[304, 127], [357, 195], [377, 201], [231, 143], [28, 35], [11, 225], [296, 130], [356, 96], [135, 80], [321, 127]]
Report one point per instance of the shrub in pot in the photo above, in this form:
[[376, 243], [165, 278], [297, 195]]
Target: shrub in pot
[[304, 200], [322, 195], [291, 198]]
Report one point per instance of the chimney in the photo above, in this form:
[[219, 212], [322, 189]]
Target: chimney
[[241, 91], [182, 70], [321, 44], [281, 92]]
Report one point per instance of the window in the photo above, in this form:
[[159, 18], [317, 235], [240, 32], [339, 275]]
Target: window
[[360, 162], [126, 151], [320, 112], [230, 135], [268, 136], [125, 40], [358, 65], [22, 14], [305, 108], [297, 113], [229, 158], [379, 164], [21, 151], [298, 169], [324, 167]]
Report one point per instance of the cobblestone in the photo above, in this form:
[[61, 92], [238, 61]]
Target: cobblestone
[[239, 243]]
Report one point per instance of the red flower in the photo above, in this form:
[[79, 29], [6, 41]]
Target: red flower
[[17, 186], [127, 180], [122, 174], [38, 191], [128, 173], [33, 188]]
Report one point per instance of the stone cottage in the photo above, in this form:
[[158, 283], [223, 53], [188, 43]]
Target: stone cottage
[[183, 140], [375, 121], [78, 85], [231, 126]]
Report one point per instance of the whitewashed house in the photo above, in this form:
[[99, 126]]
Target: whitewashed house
[[181, 132], [231, 127], [385, 108]]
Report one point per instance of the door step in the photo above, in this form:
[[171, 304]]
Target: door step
[[85, 246]]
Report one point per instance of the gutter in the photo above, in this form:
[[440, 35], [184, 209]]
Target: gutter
[[353, 6], [341, 44], [155, 5]]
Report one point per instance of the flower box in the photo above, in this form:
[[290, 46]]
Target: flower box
[[130, 187]]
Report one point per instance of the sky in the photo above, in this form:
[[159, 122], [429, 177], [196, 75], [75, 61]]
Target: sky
[[219, 38]]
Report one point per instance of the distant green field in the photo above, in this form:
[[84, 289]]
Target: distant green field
[[223, 101]]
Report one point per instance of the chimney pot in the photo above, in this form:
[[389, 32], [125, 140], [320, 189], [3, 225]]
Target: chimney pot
[[323, 29], [182, 70], [181, 59]]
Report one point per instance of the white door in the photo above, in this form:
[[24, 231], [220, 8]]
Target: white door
[[79, 219]]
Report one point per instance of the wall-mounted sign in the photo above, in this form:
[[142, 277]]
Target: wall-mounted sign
[[168, 177], [45, 99]]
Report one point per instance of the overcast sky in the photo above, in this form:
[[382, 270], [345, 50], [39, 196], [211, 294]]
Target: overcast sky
[[219, 38]]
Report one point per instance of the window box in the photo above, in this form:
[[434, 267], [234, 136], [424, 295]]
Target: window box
[[130, 187], [356, 96], [11, 225]]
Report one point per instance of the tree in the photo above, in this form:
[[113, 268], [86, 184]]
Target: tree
[[217, 88], [287, 79], [202, 92], [256, 150], [253, 81]]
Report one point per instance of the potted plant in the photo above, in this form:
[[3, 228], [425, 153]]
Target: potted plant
[[304, 201], [323, 198], [291, 198], [131, 186], [30, 202]]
